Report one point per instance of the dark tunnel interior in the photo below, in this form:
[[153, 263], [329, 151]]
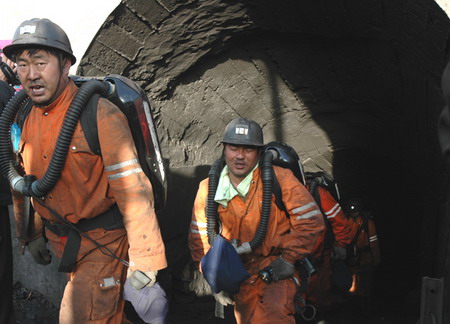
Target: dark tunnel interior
[[379, 111]]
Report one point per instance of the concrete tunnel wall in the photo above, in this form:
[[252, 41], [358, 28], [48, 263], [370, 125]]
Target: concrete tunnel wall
[[353, 86]]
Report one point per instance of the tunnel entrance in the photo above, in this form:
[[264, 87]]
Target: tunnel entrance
[[354, 87]]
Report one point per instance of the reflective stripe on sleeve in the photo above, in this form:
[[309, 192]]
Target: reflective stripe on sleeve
[[124, 174], [198, 232], [309, 214], [373, 238], [121, 165], [306, 211], [334, 211], [198, 227], [304, 207], [199, 224]]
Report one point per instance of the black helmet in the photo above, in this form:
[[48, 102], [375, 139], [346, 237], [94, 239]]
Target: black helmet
[[39, 32], [242, 131], [355, 205]]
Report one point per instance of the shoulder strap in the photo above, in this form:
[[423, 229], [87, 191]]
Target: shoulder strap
[[358, 232], [313, 187], [276, 190], [366, 227], [314, 191], [23, 113], [88, 120], [326, 181]]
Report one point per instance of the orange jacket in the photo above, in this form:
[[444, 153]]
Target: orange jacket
[[336, 217], [90, 184], [337, 221], [366, 240], [294, 238]]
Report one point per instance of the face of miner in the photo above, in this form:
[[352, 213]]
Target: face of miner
[[42, 75], [240, 160]]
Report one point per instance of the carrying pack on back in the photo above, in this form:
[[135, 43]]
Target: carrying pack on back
[[324, 180], [133, 102], [314, 180], [288, 158]]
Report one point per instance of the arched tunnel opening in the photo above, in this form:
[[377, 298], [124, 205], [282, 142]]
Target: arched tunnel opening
[[353, 86]]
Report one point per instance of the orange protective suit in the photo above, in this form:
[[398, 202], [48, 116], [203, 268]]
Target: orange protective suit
[[293, 238], [88, 186], [364, 254], [319, 291]]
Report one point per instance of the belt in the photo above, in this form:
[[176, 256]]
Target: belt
[[109, 220]]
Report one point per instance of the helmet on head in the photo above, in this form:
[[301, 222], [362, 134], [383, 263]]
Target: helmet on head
[[242, 131], [355, 205], [40, 32]]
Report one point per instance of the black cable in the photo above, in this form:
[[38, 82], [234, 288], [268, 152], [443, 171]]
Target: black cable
[[86, 236]]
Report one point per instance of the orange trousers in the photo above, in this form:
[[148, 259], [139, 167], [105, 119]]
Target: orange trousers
[[362, 280], [258, 302], [93, 293], [319, 290]]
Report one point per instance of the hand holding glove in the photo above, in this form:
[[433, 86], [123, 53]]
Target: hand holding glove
[[223, 298], [281, 269], [339, 253], [39, 252], [139, 279]]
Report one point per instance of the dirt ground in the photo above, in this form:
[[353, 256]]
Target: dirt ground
[[32, 308], [185, 308]]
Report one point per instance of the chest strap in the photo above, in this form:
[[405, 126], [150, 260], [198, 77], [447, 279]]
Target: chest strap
[[109, 220]]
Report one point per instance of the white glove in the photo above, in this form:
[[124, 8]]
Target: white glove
[[223, 298], [339, 253], [139, 279]]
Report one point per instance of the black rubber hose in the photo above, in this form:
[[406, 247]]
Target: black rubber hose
[[51, 176], [211, 205], [41, 187], [6, 120], [267, 180]]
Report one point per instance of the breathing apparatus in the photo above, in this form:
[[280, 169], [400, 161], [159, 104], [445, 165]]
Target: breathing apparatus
[[130, 99], [119, 90], [124, 93], [28, 185], [40, 33], [274, 153], [127, 95], [223, 255]]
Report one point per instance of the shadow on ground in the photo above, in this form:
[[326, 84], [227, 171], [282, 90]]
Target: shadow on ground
[[185, 308]]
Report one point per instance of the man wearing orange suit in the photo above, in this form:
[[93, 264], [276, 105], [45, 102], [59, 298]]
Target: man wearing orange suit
[[332, 246], [239, 196], [364, 251], [127, 243]]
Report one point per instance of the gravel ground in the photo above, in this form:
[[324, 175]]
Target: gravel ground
[[32, 308], [185, 308]]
